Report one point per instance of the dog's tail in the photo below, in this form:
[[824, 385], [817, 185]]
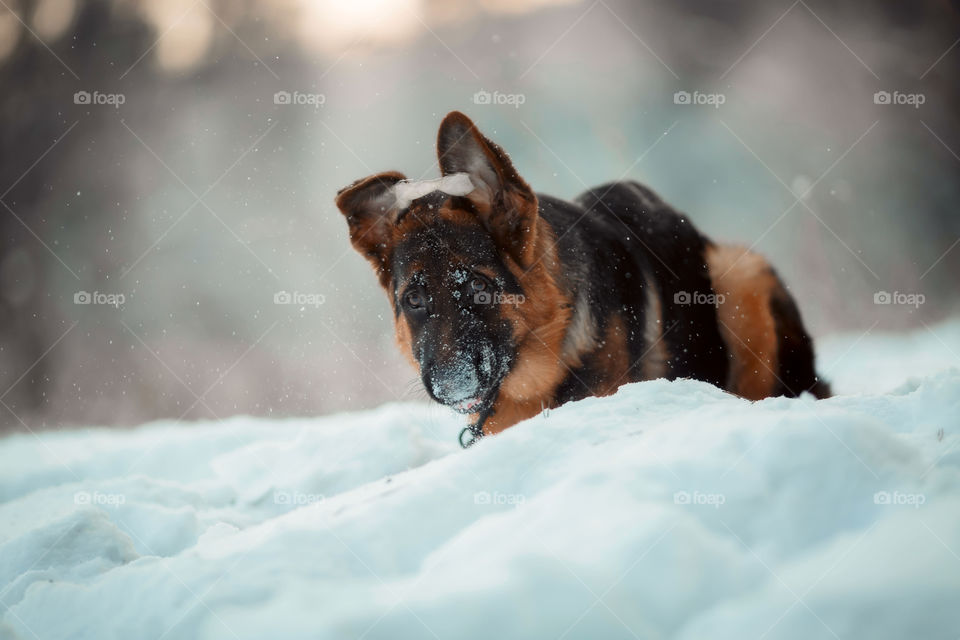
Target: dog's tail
[[795, 348], [821, 389]]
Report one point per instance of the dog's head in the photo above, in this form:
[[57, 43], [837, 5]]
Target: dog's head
[[451, 254]]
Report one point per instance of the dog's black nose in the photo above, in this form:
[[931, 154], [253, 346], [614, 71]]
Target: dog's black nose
[[451, 382]]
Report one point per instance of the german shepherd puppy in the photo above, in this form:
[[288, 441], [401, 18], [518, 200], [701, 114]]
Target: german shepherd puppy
[[509, 302]]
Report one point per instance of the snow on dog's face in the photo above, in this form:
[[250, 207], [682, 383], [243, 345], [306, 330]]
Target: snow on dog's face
[[458, 256], [448, 282]]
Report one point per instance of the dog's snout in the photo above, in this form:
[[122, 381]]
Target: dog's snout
[[451, 381]]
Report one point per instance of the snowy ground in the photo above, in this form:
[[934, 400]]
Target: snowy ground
[[670, 510]]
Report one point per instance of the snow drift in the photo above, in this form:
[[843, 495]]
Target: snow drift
[[670, 510]]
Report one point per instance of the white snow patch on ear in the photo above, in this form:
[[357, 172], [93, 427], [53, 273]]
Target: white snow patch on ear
[[455, 184]]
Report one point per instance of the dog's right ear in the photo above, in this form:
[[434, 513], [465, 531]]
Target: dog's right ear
[[370, 206], [506, 203]]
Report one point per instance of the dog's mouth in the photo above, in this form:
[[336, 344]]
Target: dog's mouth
[[475, 403], [470, 405]]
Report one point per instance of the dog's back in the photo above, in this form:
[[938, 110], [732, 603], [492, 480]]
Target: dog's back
[[690, 308]]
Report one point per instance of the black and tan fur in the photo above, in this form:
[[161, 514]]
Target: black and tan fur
[[592, 293]]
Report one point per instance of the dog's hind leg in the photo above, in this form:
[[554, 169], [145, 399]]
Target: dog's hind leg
[[743, 283]]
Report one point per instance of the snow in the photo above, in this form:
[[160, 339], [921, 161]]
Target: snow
[[670, 510], [455, 184]]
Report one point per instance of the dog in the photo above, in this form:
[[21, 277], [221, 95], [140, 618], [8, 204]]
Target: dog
[[509, 302]]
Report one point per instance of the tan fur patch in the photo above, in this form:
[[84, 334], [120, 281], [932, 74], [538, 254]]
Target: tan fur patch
[[653, 364], [405, 341], [507, 413], [612, 357], [746, 321], [540, 324]]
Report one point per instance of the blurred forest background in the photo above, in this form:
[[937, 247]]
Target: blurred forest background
[[149, 155]]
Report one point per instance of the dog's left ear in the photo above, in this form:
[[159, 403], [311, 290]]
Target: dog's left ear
[[507, 204]]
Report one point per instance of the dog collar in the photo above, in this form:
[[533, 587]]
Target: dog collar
[[475, 432]]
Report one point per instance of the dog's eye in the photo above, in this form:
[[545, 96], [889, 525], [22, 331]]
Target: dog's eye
[[414, 299], [478, 284]]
